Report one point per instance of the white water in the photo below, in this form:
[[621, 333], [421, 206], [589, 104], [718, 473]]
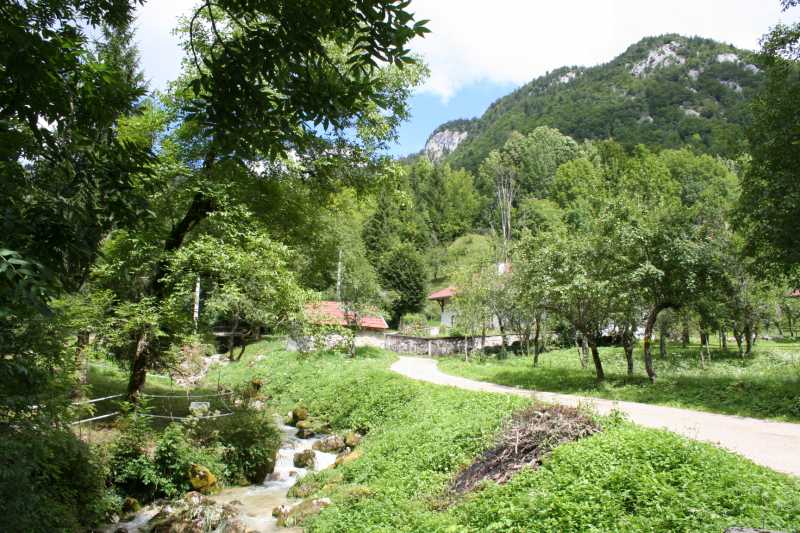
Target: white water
[[256, 502]]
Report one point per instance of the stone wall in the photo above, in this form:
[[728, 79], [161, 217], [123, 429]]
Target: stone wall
[[437, 346], [362, 338]]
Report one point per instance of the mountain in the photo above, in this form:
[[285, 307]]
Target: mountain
[[664, 92]]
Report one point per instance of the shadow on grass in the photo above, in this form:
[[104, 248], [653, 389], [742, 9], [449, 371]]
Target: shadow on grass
[[764, 386], [755, 397]]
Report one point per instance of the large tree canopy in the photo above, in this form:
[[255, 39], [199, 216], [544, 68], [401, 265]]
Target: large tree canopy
[[770, 202]]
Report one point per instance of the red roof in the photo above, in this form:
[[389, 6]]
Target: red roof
[[443, 294], [328, 312]]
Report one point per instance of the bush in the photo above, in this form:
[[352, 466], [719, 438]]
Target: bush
[[249, 441], [135, 471], [414, 324], [131, 470], [175, 454], [49, 481]]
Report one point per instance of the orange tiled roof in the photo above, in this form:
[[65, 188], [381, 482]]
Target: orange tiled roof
[[449, 292], [329, 312]]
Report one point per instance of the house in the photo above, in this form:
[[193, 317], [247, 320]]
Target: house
[[369, 331], [443, 297], [794, 294]]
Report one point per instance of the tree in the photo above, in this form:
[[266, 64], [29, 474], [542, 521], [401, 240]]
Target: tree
[[472, 305], [69, 178], [359, 290], [397, 218], [537, 156], [446, 198], [578, 277], [769, 207], [402, 270], [505, 177], [246, 278], [265, 80]]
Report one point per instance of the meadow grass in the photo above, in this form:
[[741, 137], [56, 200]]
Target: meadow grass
[[418, 436], [764, 385]]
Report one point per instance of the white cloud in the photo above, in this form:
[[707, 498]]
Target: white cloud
[[160, 51], [513, 41]]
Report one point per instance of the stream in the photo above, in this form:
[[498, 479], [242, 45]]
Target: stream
[[255, 502]]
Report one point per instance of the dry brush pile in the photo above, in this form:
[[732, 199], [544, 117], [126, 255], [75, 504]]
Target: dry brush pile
[[528, 436]]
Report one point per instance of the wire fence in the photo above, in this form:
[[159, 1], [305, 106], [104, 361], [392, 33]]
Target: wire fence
[[164, 401]]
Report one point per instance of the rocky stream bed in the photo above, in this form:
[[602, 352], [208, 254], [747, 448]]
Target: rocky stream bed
[[256, 508]]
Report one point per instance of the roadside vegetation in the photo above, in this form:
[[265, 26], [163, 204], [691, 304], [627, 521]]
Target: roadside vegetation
[[763, 385], [420, 436]]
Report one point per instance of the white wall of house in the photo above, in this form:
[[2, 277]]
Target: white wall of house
[[448, 316]]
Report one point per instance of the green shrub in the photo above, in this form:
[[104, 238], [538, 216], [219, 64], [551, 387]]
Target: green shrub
[[250, 441], [49, 481], [414, 324], [175, 454], [131, 470]]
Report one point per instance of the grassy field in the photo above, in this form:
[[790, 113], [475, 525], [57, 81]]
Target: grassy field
[[418, 436], [766, 385]]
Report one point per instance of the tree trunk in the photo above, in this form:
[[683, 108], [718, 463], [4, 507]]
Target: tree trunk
[[685, 333], [138, 369], [662, 344], [702, 357], [748, 339], [627, 345], [724, 336], [629, 357], [738, 336], [198, 211], [241, 352], [582, 349], [232, 338], [81, 358], [598, 364], [649, 324], [536, 331]]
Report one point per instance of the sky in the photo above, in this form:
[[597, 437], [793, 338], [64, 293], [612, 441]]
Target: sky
[[480, 50]]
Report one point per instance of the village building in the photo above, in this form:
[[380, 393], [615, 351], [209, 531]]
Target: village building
[[443, 298], [369, 331]]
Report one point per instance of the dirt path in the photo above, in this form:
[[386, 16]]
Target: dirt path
[[773, 444]]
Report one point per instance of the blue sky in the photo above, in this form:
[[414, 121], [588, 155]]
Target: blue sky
[[479, 51], [429, 111]]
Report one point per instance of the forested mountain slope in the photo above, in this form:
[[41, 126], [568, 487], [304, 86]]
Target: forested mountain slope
[[665, 92]]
